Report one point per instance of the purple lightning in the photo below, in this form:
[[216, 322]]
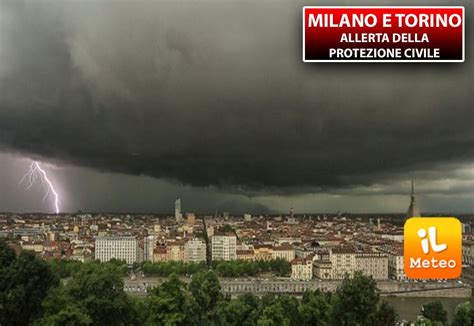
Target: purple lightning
[[32, 175]]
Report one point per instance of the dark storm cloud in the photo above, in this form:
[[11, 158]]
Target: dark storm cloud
[[215, 93]]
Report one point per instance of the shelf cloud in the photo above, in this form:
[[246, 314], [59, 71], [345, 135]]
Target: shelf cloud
[[216, 94]]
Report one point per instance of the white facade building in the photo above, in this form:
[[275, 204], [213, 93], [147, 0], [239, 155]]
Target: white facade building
[[195, 251], [118, 247], [396, 266], [285, 251], [302, 269], [224, 247], [343, 261]]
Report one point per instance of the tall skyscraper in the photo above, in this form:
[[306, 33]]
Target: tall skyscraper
[[412, 209], [177, 210]]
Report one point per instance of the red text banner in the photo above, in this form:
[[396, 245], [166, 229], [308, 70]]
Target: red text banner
[[383, 34]]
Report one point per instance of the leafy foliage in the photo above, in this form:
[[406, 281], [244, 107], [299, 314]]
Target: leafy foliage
[[435, 312], [171, 304], [206, 291], [64, 268], [464, 315], [315, 309], [92, 294], [24, 284], [7, 255], [386, 314], [355, 302], [234, 268], [95, 292]]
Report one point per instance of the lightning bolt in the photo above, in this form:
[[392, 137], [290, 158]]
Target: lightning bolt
[[31, 176]]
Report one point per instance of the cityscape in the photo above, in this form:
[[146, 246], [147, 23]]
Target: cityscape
[[181, 163], [299, 253]]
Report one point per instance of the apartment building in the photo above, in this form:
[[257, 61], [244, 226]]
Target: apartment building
[[224, 247], [322, 269], [195, 251], [160, 253], [245, 254], [148, 247], [373, 264], [116, 247], [395, 262], [284, 251], [175, 251], [302, 268], [468, 253], [263, 252], [343, 261]]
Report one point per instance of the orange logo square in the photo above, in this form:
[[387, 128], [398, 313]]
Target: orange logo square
[[433, 248]]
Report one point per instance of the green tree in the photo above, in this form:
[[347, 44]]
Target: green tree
[[464, 315], [434, 311], [206, 291], [290, 307], [23, 286], [7, 255], [96, 290], [273, 315], [67, 316], [386, 314], [170, 304], [242, 311], [355, 301], [315, 309], [64, 268]]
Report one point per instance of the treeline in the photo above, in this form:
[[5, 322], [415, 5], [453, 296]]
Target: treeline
[[234, 268], [31, 293]]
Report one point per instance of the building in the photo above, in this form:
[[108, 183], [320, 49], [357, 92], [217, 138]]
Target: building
[[263, 252], [412, 209], [395, 264], [195, 251], [288, 240], [302, 268], [373, 264], [343, 261], [397, 235], [177, 210], [291, 218], [32, 246], [116, 247], [245, 254], [148, 246], [160, 253], [175, 251], [322, 269], [191, 218], [468, 253], [284, 251], [224, 247]]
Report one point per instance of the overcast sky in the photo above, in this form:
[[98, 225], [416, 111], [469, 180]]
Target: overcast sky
[[129, 105]]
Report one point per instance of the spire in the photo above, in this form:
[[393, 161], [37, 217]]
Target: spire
[[412, 210]]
